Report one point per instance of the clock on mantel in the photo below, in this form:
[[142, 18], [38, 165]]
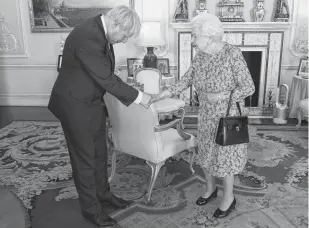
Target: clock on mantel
[[231, 11]]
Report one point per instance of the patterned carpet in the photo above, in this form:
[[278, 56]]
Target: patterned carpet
[[36, 188]]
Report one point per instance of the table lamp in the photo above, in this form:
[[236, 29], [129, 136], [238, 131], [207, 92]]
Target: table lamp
[[150, 37]]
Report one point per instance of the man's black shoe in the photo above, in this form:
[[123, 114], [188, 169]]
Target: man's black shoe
[[114, 201], [99, 219]]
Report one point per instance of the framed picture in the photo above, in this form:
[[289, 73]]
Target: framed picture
[[163, 65], [64, 15], [133, 64], [59, 62], [303, 67]]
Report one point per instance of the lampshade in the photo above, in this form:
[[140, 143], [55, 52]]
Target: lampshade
[[150, 35]]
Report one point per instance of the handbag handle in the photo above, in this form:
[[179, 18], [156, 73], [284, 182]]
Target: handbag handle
[[229, 105]]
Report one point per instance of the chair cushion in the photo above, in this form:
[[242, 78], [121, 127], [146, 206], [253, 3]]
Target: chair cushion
[[173, 143], [303, 105], [169, 105]]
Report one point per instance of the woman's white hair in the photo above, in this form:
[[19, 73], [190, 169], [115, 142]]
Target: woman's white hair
[[208, 24], [127, 18]]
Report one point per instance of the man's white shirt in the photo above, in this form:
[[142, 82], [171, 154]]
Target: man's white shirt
[[140, 94]]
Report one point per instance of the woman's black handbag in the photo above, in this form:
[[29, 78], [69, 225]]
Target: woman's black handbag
[[232, 130]]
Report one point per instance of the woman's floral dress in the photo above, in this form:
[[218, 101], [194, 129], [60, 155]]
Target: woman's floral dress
[[224, 71]]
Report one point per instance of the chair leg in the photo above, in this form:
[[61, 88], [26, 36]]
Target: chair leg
[[114, 159], [299, 118], [155, 168], [192, 150]]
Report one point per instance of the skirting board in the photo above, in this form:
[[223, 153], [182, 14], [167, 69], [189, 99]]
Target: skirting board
[[27, 113], [24, 100]]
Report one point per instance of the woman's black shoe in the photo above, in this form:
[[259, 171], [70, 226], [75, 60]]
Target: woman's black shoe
[[202, 201], [220, 214]]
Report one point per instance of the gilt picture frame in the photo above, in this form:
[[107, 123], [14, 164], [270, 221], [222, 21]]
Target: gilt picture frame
[[303, 67], [62, 15], [133, 64], [163, 65]]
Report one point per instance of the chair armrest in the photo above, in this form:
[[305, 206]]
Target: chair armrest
[[182, 110], [164, 127], [173, 123]]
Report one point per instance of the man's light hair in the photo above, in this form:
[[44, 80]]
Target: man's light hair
[[208, 24], [126, 18]]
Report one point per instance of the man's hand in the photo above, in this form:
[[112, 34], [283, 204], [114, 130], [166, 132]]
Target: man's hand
[[146, 100], [161, 96]]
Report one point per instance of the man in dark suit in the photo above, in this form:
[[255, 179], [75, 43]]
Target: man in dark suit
[[86, 73]]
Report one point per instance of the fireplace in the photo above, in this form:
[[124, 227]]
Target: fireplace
[[261, 45], [256, 65]]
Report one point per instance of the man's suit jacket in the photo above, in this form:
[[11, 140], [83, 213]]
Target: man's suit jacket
[[87, 71]]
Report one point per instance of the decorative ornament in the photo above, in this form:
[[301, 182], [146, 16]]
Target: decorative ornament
[[201, 6], [231, 10], [270, 96], [181, 13], [282, 13], [259, 11]]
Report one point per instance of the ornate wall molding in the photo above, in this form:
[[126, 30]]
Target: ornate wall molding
[[298, 24], [12, 36], [8, 41]]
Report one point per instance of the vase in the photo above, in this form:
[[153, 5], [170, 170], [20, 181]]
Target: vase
[[150, 59]]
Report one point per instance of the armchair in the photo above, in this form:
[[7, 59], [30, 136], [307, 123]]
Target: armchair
[[151, 78], [136, 131]]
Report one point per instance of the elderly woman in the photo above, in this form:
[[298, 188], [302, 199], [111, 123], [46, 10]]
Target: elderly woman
[[217, 69]]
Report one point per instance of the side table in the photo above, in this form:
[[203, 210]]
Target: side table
[[298, 92], [168, 80]]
